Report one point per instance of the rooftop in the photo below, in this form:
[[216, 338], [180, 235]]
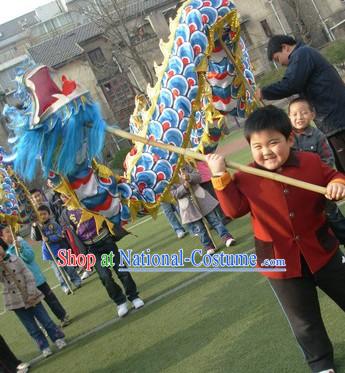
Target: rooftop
[[64, 47]]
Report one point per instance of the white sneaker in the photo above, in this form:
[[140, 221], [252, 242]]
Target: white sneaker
[[327, 371], [66, 290], [180, 234], [47, 352], [230, 241], [210, 251], [23, 367], [85, 275], [60, 343], [138, 303], [122, 309]]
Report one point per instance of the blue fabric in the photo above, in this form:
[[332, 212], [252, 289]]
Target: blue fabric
[[198, 228], [45, 140], [56, 240], [312, 76], [217, 224], [28, 256], [170, 213], [28, 318]]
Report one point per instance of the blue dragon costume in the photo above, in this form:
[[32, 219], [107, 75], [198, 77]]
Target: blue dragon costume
[[9, 208], [21, 194], [59, 128]]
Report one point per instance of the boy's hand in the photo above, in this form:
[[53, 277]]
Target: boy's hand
[[335, 191], [186, 184], [216, 164], [45, 239], [184, 176]]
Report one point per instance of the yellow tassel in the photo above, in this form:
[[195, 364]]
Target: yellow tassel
[[102, 170]]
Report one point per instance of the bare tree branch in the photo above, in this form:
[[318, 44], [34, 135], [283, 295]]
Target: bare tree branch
[[112, 17], [302, 28]]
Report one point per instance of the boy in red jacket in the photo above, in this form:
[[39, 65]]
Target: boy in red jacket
[[289, 223]]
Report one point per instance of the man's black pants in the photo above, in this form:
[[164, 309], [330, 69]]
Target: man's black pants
[[105, 246]]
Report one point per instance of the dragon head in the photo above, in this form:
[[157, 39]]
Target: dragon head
[[45, 115]]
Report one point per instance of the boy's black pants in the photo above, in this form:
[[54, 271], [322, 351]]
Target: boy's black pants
[[299, 300], [52, 301]]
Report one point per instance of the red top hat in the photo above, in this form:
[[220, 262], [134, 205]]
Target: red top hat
[[47, 95]]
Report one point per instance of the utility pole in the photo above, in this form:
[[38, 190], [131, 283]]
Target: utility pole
[[324, 25], [277, 16]]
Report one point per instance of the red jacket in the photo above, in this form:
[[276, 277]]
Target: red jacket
[[287, 221]]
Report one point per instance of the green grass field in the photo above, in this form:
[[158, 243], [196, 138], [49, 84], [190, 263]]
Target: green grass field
[[192, 322]]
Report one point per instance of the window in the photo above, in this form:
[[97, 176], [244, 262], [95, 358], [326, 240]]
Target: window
[[142, 33], [96, 56], [266, 28], [170, 13]]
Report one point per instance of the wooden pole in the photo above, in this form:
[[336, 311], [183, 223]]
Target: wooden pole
[[229, 164], [19, 181], [15, 242], [63, 274]]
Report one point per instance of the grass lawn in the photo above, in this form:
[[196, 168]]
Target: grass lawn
[[192, 322], [234, 135]]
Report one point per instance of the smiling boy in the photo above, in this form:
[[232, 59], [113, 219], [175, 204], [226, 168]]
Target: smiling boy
[[307, 137], [289, 223]]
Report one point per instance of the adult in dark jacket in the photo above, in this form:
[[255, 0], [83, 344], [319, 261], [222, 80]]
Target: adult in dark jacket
[[310, 75]]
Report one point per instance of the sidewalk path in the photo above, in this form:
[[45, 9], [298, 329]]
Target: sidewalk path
[[232, 147]]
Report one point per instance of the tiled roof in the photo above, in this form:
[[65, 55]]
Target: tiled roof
[[134, 7], [63, 47]]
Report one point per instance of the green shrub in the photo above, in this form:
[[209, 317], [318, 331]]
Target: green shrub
[[119, 158], [270, 77], [335, 53]]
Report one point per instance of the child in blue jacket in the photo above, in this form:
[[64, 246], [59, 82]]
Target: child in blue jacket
[[51, 233]]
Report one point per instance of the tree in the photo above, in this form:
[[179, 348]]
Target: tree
[[302, 27], [112, 17]]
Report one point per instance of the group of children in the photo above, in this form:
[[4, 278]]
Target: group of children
[[24, 285], [289, 223]]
